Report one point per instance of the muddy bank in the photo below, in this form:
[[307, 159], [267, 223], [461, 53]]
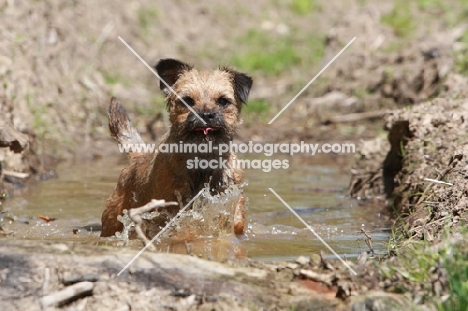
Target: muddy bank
[[12, 144], [419, 171], [420, 167], [48, 274]]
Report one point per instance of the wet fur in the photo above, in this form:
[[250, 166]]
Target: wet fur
[[160, 175]]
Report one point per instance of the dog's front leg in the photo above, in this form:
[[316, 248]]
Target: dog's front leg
[[239, 216]]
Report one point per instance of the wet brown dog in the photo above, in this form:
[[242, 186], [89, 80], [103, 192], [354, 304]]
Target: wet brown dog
[[217, 97]]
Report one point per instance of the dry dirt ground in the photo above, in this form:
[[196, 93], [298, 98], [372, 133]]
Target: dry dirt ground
[[61, 61]]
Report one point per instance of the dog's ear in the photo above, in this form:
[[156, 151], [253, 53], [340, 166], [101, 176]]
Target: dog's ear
[[242, 84], [169, 70]]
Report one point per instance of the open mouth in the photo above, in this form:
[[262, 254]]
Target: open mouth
[[206, 129]]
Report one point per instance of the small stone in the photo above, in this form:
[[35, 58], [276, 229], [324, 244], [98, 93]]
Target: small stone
[[303, 260], [292, 265], [315, 259]]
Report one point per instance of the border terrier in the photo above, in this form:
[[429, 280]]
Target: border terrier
[[216, 97]]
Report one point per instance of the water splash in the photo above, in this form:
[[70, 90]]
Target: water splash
[[211, 217], [129, 226]]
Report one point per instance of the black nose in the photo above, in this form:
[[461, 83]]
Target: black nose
[[208, 116]]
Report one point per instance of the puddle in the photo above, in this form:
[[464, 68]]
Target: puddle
[[314, 186]]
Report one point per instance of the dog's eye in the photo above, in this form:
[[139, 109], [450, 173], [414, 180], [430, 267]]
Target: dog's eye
[[223, 101], [188, 100]]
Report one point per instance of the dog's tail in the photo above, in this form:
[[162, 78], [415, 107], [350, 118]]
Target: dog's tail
[[120, 126]]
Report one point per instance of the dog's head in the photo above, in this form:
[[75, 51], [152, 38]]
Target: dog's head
[[203, 105]]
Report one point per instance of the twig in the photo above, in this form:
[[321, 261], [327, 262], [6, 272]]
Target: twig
[[438, 181], [67, 294], [352, 117], [416, 229], [368, 241], [135, 215], [15, 174], [169, 223]]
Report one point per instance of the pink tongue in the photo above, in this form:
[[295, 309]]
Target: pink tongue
[[205, 130]]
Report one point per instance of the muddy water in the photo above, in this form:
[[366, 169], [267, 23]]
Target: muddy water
[[314, 187]]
